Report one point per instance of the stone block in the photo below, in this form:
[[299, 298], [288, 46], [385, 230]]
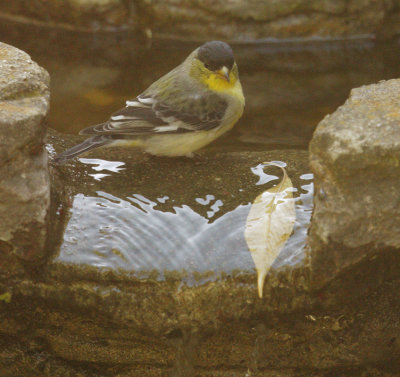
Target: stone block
[[24, 184], [355, 158]]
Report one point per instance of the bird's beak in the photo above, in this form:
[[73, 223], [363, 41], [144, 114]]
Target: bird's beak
[[224, 72]]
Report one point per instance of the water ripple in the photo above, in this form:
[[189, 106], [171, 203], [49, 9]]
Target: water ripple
[[134, 234]]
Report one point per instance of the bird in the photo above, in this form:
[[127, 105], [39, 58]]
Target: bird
[[184, 110]]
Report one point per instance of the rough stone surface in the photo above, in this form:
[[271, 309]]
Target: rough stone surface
[[233, 20], [244, 20], [70, 14], [24, 184], [355, 158], [84, 322]]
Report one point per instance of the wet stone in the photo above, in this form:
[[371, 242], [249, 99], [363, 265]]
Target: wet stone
[[78, 327], [113, 296], [176, 220], [354, 155]]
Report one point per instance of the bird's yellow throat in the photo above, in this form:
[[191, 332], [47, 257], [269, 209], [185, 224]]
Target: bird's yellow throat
[[218, 83]]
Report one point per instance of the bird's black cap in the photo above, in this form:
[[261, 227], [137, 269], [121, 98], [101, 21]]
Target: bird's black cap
[[215, 55]]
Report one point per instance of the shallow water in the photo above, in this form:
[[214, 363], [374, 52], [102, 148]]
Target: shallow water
[[135, 233], [288, 87]]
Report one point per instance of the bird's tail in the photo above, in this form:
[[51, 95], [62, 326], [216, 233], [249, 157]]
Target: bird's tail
[[93, 142]]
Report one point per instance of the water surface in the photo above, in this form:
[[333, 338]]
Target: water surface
[[166, 217], [289, 87], [163, 232]]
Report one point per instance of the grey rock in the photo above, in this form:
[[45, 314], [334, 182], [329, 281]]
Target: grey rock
[[69, 14], [232, 20], [258, 19], [24, 184], [355, 158]]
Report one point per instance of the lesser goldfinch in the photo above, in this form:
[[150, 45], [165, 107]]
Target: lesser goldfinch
[[184, 110]]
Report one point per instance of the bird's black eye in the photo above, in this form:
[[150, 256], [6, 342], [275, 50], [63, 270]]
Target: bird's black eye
[[207, 65]]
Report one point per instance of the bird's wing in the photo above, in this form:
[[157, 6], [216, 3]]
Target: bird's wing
[[152, 114]]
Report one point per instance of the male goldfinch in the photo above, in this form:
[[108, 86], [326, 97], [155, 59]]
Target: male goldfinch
[[184, 110]]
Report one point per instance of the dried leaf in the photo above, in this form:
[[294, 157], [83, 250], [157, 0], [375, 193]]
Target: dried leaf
[[269, 224]]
